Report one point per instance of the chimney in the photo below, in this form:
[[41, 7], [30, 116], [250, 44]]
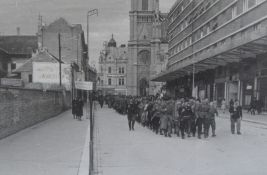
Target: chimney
[[18, 30]]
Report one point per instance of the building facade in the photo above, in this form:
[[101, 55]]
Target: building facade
[[147, 47], [72, 45], [112, 75], [218, 50]]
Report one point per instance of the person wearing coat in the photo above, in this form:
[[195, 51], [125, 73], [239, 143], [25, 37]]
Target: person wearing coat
[[177, 118], [185, 118], [132, 110], [210, 121], [101, 101], [235, 117], [80, 109], [74, 108], [202, 113], [164, 124]]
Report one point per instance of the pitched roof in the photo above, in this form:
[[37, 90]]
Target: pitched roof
[[43, 56], [19, 44]]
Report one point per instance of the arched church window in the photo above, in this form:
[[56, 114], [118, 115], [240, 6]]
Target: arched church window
[[145, 5], [144, 57]]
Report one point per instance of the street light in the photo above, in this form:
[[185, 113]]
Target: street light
[[91, 161], [90, 13]]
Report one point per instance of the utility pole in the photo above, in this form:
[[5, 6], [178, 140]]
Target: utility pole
[[59, 56]]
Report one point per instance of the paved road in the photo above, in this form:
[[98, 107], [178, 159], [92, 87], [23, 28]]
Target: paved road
[[53, 147], [120, 152]]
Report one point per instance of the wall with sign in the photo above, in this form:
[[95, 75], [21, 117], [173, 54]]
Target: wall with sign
[[48, 73]]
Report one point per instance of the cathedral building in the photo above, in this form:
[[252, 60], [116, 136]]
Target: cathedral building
[[147, 47]]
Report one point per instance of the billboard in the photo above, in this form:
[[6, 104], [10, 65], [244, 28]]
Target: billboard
[[48, 73]]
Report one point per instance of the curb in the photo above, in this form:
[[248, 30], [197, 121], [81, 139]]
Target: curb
[[248, 121], [84, 163]]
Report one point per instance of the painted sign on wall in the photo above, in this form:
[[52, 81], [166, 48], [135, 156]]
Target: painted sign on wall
[[44, 72]]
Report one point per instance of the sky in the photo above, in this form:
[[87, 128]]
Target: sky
[[113, 18]]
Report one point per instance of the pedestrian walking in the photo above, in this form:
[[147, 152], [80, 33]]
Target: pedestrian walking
[[185, 120], [202, 113], [101, 101], [132, 112], [236, 117], [74, 108], [210, 121], [223, 106], [80, 105]]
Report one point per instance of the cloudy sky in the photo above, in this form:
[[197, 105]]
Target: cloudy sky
[[113, 17]]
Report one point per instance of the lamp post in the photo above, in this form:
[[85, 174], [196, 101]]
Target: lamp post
[[90, 13], [91, 152], [59, 56]]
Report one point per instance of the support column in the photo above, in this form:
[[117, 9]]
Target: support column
[[214, 92], [239, 91], [226, 92], [255, 92]]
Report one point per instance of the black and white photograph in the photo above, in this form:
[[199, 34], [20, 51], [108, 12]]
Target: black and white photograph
[[133, 87]]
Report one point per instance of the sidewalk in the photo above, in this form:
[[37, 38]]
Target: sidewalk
[[52, 147], [247, 117]]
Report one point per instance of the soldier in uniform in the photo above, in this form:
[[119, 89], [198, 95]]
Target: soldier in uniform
[[132, 112], [210, 121], [176, 121], [236, 117], [186, 115], [202, 113]]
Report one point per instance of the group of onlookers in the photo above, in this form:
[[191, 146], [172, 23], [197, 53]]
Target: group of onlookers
[[77, 108]]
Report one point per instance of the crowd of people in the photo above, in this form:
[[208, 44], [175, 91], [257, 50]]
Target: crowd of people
[[182, 117]]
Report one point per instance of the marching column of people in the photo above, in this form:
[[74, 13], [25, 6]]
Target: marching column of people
[[180, 117]]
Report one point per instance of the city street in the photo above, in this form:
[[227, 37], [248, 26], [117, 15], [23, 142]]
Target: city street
[[53, 147], [141, 152]]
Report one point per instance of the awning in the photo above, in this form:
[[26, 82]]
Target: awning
[[199, 64]]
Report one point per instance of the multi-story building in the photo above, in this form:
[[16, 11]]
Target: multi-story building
[[72, 45], [218, 50], [112, 69], [147, 47]]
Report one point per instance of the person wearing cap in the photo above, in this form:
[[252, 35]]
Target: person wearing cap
[[202, 116], [177, 106], [186, 115], [132, 112]]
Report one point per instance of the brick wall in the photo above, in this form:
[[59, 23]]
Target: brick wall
[[22, 108]]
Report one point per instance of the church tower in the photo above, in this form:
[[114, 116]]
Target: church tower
[[143, 15]]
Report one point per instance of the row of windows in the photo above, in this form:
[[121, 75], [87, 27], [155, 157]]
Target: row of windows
[[146, 19], [121, 82], [203, 6], [212, 25], [222, 42], [179, 10], [121, 70]]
